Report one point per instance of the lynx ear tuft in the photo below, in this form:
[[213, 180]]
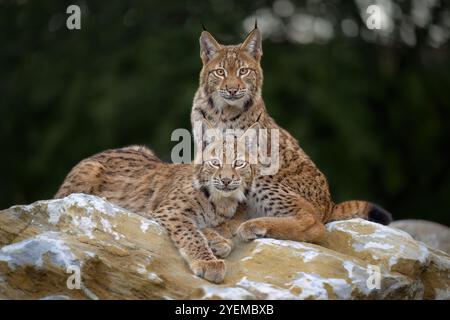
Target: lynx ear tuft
[[253, 43], [209, 47]]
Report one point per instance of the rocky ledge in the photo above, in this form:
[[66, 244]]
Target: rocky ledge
[[82, 247]]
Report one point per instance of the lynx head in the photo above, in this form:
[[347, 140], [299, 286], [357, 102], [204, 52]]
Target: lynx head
[[231, 74], [225, 167]]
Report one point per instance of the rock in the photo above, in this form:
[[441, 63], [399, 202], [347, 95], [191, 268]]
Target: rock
[[122, 255], [433, 234]]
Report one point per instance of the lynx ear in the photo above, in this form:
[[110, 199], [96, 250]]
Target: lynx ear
[[256, 125], [213, 133], [253, 44], [249, 132], [250, 135], [208, 47]]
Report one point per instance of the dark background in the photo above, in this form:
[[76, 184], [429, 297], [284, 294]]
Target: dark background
[[370, 107]]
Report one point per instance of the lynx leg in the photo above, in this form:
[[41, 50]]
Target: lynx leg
[[298, 221], [192, 245], [220, 246], [283, 228], [228, 229]]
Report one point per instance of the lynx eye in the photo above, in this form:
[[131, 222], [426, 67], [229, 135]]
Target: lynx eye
[[214, 163], [243, 71], [239, 163], [219, 72]]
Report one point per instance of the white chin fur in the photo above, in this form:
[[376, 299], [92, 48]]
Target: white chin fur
[[237, 194], [236, 103], [222, 102]]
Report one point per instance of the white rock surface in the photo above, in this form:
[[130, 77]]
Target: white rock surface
[[431, 233], [123, 255]]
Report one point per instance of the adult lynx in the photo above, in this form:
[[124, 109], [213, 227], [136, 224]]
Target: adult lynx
[[295, 202], [186, 199]]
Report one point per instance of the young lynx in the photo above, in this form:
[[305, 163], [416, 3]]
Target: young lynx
[[183, 198], [295, 202]]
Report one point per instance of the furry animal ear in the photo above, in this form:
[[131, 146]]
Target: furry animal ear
[[250, 133], [210, 133], [249, 138], [253, 44], [254, 127], [208, 47]]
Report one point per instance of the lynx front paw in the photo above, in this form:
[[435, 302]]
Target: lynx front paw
[[250, 230], [211, 270], [221, 248]]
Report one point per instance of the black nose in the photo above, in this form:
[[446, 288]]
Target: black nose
[[226, 181], [232, 91]]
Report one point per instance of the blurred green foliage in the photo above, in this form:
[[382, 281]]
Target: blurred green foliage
[[373, 117]]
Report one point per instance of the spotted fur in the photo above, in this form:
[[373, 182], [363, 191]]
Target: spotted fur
[[295, 202], [185, 199]]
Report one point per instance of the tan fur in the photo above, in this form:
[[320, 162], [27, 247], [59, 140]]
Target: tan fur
[[183, 198], [295, 202]]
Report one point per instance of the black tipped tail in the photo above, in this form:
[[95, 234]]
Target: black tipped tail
[[379, 215]]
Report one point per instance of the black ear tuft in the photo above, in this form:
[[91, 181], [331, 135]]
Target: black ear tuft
[[256, 23], [203, 26], [257, 119], [252, 44], [379, 215]]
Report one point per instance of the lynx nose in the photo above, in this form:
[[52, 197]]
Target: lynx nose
[[232, 91], [226, 181]]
